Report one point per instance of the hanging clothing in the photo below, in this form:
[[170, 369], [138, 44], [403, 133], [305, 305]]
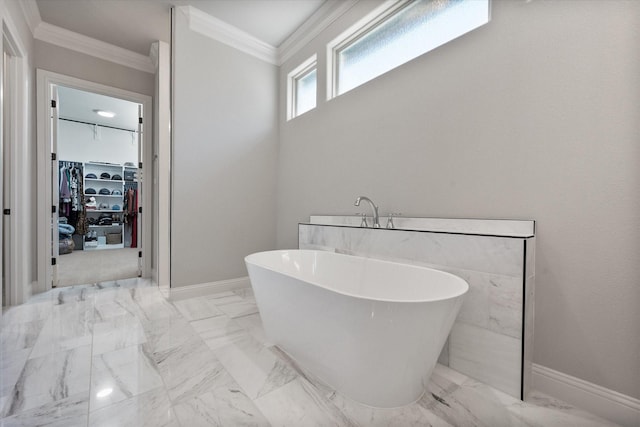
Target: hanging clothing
[[82, 227], [134, 222], [65, 192], [131, 214], [73, 187]]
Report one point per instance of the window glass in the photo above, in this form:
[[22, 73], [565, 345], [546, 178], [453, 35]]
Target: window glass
[[418, 27], [305, 92], [302, 88]]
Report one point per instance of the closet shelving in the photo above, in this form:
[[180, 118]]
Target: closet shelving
[[105, 204]]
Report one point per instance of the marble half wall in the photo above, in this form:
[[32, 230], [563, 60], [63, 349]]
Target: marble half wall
[[492, 338]]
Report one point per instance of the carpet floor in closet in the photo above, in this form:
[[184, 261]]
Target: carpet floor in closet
[[86, 267]]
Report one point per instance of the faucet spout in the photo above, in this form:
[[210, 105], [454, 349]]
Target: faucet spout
[[374, 208]]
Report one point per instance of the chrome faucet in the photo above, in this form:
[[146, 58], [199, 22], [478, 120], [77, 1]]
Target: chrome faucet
[[374, 208]]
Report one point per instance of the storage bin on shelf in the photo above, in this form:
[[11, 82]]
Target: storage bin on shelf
[[104, 183], [114, 238]]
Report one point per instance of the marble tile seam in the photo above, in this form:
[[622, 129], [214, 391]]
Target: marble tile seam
[[245, 316]]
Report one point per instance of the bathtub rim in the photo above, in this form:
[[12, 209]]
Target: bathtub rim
[[368, 298]]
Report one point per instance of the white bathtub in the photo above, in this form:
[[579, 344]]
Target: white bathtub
[[371, 329]]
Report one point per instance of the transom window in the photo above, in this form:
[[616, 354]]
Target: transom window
[[302, 88], [396, 33]]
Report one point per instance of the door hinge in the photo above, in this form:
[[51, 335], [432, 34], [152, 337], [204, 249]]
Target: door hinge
[[140, 120], [139, 254], [53, 156], [140, 165], [54, 261], [53, 103], [53, 209], [7, 211], [140, 209]]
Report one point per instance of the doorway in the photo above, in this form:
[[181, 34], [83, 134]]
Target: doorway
[[97, 154], [108, 210]]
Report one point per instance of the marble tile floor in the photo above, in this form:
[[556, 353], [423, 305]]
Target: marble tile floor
[[120, 354]]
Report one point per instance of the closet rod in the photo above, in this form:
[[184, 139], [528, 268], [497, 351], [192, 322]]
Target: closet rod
[[96, 124]]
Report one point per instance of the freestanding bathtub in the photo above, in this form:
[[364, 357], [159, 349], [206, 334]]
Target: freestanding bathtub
[[370, 329]]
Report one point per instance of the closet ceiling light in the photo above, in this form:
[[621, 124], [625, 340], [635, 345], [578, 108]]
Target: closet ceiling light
[[103, 113]]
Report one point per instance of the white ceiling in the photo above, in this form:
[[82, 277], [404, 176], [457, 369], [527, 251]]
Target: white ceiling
[[135, 24], [79, 105]]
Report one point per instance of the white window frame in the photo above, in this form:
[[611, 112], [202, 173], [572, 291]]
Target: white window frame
[[294, 75], [353, 33]]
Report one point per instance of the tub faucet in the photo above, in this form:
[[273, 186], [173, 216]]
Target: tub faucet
[[374, 208]]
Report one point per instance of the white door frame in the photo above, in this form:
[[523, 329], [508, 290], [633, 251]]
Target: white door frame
[[18, 94], [45, 80], [54, 186], [161, 55]]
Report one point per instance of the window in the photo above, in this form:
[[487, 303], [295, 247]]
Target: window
[[396, 33], [302, 88]]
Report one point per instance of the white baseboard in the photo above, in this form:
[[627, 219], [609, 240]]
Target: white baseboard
[[203, 289], [600, 401]]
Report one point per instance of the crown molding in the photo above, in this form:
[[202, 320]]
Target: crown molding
[[223, 32], [219, 30], [199, 22], [318, 22], [89, 46], [31, 14]]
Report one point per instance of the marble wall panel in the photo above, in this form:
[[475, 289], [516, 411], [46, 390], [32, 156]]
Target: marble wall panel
[[494, 302], [530, 260], [487, 342], [529, 311], [497, 255], [489, 357]]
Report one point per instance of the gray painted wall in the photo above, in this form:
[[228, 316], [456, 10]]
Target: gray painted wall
[[533, 116], [224, 158], [75, 64]]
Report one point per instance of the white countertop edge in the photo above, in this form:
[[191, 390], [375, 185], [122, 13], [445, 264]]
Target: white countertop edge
[[492, 227]]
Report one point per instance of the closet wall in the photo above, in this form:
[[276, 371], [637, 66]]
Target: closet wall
[[77, 142]]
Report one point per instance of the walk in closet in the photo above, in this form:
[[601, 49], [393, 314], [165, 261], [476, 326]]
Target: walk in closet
[[99, 200], [98, 185]]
